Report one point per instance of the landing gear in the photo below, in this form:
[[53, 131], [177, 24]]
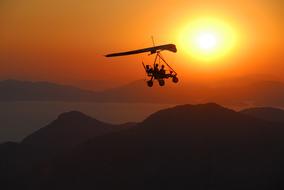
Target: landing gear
[[162, 82], [150, 83], [175, 79]]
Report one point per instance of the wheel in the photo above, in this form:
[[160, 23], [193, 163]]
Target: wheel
[[150, 83], [175, 79], [162, 82]]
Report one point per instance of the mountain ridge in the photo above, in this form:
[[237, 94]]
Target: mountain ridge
[[244, 94], [15, 90], [202, 146], [68, 130], [184, 146]]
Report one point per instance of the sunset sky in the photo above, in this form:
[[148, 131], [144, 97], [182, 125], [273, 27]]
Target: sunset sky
[[65, 40]]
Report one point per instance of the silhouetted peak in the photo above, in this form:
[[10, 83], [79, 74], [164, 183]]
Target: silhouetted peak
[[73, 113], [199, 106], [74, 116], [188, 108], [69, 129], [184, 115]]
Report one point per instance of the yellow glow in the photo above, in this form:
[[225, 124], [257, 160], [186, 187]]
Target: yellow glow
[[207, 39]]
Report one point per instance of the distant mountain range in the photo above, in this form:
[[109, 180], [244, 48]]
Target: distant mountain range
[[203, 146], [96, 85], [13, 90], [231, 93]]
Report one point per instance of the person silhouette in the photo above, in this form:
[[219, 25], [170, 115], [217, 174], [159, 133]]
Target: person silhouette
[[162, 70], [156, 68], [149, 69]]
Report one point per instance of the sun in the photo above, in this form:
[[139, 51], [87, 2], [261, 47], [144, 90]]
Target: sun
[[207, 39]]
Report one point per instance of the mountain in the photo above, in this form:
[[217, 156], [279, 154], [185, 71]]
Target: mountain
[[185, 147], [261, 93], [96, 85], [67, 131], [138, 91], [13, 90], [237, 92], [18, 160], [266, 113]]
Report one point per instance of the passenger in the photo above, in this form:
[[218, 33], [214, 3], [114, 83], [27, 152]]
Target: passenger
[[162, 70], [156, 68]]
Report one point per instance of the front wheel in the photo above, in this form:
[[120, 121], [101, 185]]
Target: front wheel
[[175, 79], [162, 82], [150, 83]]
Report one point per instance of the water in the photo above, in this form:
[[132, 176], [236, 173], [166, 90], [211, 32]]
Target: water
[[19, 119]]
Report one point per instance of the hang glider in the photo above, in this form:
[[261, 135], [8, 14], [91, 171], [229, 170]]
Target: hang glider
[[152, 50], [158, 71]]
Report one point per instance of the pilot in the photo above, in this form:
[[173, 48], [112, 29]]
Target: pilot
[[162, 70]]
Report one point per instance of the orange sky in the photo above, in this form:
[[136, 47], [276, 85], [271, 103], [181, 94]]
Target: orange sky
[[64, 40]]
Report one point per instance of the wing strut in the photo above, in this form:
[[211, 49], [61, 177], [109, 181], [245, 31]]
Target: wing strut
[[159, 55]]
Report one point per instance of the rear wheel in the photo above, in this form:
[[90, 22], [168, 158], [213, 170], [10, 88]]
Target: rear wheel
[[150, 83], [175, 79], [162, 82]]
